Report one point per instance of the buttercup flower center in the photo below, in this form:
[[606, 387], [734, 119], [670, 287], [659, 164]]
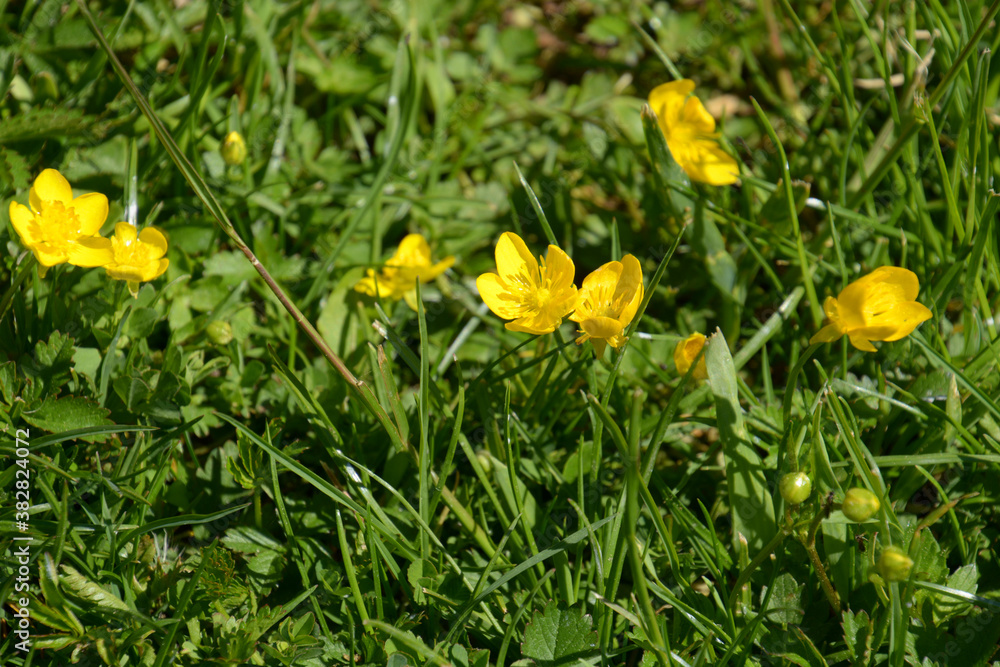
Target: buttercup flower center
[[55, 224], [129, 251]]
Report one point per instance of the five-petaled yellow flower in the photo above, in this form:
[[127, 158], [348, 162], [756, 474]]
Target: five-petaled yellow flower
[[608, 301], [137, 256], [535, 294], [686, 352], [398, 279], [56, 222], [879, 306], [690, 133]]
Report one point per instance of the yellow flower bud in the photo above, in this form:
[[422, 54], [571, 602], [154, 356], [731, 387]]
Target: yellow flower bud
[[860, 504], [686, 352], [219, 332], [234, 149], [894, 564], [795, 487]]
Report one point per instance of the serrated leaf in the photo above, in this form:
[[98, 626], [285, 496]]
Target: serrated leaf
[[559, 636], [785, 603], [44, 123], [51, 362], [69, 413], [14, 171], [82, 587], [857, 632], [965, 579], [8, 381]]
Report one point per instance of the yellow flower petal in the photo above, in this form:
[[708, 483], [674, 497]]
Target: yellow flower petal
[[515, 263], [155, 238], [862, 343], [687, 351], [602, 327], [432, 272], [827, 334], [903, 319], [91, 212], [126, 233], [537, 323], [667, 100], [22, 218], [707, 162], [155, 270], [50, 186], [629, 289], [560, 269], [91, 252], [497, 298], [696, 116], [413, 251]]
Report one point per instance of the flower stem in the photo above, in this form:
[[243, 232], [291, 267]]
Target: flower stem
[[21, 274], [809, 542]]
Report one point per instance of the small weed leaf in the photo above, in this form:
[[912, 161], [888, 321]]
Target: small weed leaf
[[559, 636]]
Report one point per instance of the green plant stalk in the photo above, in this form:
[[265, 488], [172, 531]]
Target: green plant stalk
[[23, 272], [632, 481], [809, 542], [258, 519]]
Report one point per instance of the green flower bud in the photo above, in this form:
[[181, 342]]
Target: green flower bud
[[219, 332], [860, 504], [894, 564], [234, 149], [795, 487]]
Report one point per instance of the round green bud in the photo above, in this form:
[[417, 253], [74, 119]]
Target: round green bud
[[795, 487], [860, 504], [219, 332], [894, 564], [234, 149]]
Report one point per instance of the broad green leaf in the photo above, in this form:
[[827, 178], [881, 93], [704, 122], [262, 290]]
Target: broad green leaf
[[559, 636], [749, 497], [67, 414]]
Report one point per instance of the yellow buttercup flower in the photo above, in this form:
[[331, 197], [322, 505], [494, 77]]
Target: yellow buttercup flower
[[608, 301], [57, 221], [690, 133], [535, 294], [879, 306], [686, 352], [137, 256], [398, 279]]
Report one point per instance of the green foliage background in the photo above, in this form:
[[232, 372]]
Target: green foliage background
[[506, 499]]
